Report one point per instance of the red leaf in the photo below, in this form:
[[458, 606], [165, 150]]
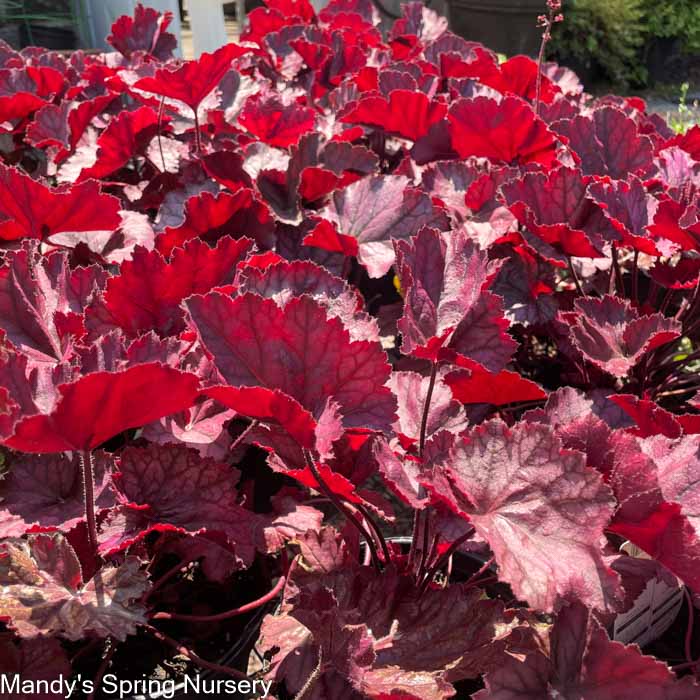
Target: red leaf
[[539, 507], [170, 487], [283, 281], [275, 123], [655, 481], [145, 31], [649, 417], [100, 405], [678, 223], [555, 207], [269, 406], [29, 209], [35, 661], [630, 210], [406, 113], [38, 295], [147, 292], [192, 81], [507, 132], [580, 661], [447, 311], [202, 427], [478, 385], [211, 216], [688, 141], [226, 167], [119, 142], [316, 183], [411, 391], [325, 236]]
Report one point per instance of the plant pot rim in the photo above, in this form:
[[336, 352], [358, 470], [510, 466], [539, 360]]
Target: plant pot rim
[[252, 628]]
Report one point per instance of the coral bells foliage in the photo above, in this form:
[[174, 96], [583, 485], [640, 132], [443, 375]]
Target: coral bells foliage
[[261, 310]]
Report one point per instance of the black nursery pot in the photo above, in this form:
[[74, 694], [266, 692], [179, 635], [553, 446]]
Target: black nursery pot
[[666, 62], [506, 26], [240, 649], [48, 37]]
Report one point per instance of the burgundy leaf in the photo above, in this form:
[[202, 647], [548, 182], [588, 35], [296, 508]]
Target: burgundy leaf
[[656, 482], [378, 209], [243, 334], [32, 661], [447, 310], [44, 592], [610, 333], [608, 143], [555, 207], [580, 661], [45, 492], [39, 297], [630, 211], [411, 391], [539, 507], [286, 280]]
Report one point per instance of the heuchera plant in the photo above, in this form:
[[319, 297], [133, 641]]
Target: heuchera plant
[[264, 312]]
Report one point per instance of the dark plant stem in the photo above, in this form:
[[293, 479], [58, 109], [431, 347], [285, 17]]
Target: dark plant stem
[[574, 276], [242, 610], [376, 530], [181, 649], [424, 548], [689, 628], [168, 575], [444, 558], [102, 669], [84, 650], [635, 277], [197, 135], [473, 580], [619, 285], [666, 301], [161, 109], [248, 429], [88, 471], [346, 512], [417, 517], [426, 408], [653, 292], [420, 518]]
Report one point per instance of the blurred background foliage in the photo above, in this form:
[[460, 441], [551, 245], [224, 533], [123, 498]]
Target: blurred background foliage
[[630, 43]]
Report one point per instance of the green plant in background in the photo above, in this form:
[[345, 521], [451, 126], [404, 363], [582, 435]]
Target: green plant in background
[[684, 117], [679, 19], [604, 36]]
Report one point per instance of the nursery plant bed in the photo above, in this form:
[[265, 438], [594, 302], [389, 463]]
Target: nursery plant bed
[[373, 359]]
